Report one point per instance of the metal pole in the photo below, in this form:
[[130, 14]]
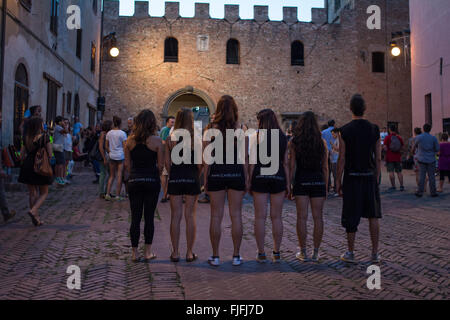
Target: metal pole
[[2, 53]]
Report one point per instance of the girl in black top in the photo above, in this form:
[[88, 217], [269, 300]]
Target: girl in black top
[[144, 161], [309, 162], [35, 138], [226, 180], [184, 180], [276, 186]]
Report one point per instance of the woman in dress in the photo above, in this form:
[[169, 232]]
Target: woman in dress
[[144, 161], [35, 139], [226, 180], [106, 127], [309, 161], [274, 187], [184, 182]]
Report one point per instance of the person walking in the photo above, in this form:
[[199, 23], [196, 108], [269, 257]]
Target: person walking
[[330, 140], [309, 162], [68, 149], [184, 183], [6, 213], [115, 141], [103, 164], [144, 161], [413, 155], [275, 187], [334, 156], [225, 179], [165, 132], [393, 144], [427, 147], [360, 165], [444, 161], [59, 137], [37, 184]]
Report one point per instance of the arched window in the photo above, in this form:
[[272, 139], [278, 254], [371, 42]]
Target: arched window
[[233, 51], [297, 53], [20, 100], [171, 50]]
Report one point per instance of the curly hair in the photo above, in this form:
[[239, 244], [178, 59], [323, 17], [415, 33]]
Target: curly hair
[[307, 142], [144, 126], [226, 115]]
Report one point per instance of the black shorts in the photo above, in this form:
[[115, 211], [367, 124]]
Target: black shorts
[[310, 184], [444, 173], [116, 161], [361, 200], [183, 186], [59, 158], [226, 177], [268, 184], [312, 189]]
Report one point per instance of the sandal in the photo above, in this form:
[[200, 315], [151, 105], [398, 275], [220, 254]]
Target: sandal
[[194, 257], [137, 260], [33, 219], [152, 257], [176, 259]]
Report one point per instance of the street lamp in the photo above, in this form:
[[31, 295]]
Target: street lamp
[[395, 50], [114, 52]]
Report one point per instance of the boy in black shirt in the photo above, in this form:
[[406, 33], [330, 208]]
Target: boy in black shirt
[[360, 164]]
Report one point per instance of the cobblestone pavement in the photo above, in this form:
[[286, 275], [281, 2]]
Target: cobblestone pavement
[[83, 230]]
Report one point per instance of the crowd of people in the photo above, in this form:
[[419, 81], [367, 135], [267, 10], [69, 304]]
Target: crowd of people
[[314, 163]]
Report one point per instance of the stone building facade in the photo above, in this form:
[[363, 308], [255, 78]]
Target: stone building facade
[[49, 65], [338, 60]]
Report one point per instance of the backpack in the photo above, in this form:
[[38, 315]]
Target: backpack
[[395, 145]]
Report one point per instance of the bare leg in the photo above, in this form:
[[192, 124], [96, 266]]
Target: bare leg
[[33, 195], [302, 217], [276, 208], [235, 208], [260, 203], [119, 178], [112, 176], [400, 178], [392, 178], [43, 193], [441, 186], [217, 210], [176, 209], [351, 241], [374, 228], [317, 213], [190, 209]]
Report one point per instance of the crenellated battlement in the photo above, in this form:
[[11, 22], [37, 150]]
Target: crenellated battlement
[[172, 11]]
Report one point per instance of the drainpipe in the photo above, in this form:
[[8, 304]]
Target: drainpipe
[[2, 52], [2, 61], [100, 100]]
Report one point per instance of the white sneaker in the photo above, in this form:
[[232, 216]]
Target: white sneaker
[[315, 257], [214, 261], [237, 261]]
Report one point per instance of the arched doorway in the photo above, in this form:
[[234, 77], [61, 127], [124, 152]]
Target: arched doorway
[[21, 95], [190, 97]]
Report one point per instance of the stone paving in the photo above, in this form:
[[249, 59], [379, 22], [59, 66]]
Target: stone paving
[[84, 230]]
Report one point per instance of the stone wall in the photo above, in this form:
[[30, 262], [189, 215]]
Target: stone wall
[[139, 78]]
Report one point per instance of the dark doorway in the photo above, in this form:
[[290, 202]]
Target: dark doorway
[[21, 95]]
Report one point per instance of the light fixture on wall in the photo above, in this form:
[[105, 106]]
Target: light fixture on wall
[[395, 49], [110, 42]]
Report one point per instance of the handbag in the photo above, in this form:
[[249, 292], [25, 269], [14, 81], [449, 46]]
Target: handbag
[[41, 161]]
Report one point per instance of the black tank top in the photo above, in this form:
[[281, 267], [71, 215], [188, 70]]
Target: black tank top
[[282, 150], [144, 162]]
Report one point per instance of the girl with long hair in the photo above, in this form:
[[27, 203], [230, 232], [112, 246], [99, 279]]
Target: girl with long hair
[[184, 183], [35, 139], [115, 141], [144, 162], [309, 162], [274, 187], [229, 180], [103, 165]]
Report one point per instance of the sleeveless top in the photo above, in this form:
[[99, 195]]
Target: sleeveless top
[[144, 163], [184, 170], [224, 170], [282, 150]]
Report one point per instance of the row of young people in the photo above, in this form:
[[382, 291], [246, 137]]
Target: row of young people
[[302, 175]]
